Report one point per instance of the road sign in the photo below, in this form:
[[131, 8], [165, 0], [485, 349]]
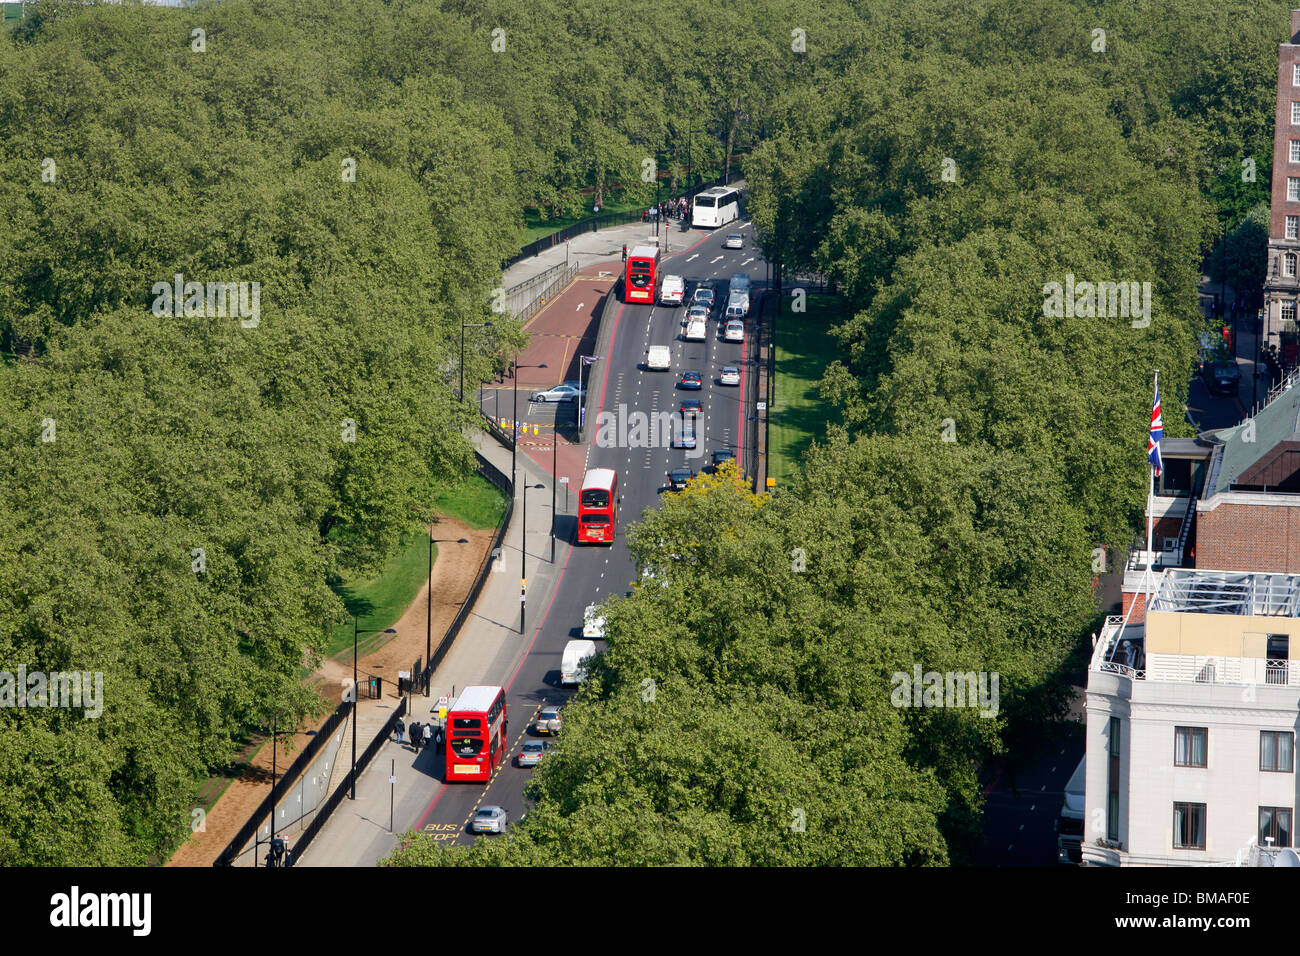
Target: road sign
[[564, 481], [761, 406]]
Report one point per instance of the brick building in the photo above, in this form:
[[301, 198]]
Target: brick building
[[1282, 282]]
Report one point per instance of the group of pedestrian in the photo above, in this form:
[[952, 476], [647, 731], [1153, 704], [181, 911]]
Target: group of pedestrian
[[422, 735], [668, 209]]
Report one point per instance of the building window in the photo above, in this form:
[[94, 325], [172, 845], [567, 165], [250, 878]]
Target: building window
[[1295, 150], [1274, 826], [1293, 189], [1295, 74], [1112, 780], [1276, 748], [1288, 266], [1189, 826], [1288, 311], [1190, 746], [1295, 114], [1293, 226]]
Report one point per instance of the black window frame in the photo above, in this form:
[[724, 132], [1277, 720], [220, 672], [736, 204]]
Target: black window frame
[[1194, 808], [1275, 735], [1204, 733]]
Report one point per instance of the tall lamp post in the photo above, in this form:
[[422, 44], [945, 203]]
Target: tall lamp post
[[514, 445], [460, 395], [356, 696], [274, 738], [523, 550], [428, 618]]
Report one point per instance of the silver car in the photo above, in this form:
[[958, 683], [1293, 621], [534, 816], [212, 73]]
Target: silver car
[[730, 375], [734, 241], [489, 820], [560, 393], [532, 753], [549, 721]]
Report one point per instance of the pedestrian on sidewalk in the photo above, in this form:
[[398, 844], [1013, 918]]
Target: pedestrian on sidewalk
[[428, 736], [400, 728], [417, 734]]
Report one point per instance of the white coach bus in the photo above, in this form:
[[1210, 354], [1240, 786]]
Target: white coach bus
[[715, 207]]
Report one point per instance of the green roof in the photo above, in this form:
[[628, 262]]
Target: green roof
[[1278, 421]]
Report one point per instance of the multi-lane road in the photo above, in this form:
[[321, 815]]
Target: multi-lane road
[[592, 573]]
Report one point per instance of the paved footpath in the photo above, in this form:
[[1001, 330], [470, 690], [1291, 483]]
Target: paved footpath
[[487, 650], [489, 647]]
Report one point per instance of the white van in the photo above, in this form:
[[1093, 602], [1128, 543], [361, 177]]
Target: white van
[[672, 291], [575, 652], [739, 283], [697, 330], [658, 358], [737, 306]]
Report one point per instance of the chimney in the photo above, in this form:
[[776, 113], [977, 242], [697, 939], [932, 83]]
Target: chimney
[[1295, 26]]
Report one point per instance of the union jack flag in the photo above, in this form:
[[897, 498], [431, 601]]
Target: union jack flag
[[1156, 433]]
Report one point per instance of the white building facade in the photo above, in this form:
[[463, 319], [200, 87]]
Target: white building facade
[[1191, 723]]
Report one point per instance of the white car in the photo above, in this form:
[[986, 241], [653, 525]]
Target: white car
[[560, 393], [734, 241], [735, 331], [593, 623], [658, 358], [697, 330], [730, 375]]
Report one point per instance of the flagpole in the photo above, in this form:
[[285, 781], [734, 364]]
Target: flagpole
[[1151, 496]]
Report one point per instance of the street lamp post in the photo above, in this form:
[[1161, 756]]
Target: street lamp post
[[428, 617], [460, 394], [356, 696], [523, 550], [514, 445], [555, 480]]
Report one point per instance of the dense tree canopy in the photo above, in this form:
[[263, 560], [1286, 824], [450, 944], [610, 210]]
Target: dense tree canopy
[[183, 489]]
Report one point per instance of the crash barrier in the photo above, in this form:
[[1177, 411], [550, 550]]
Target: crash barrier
[[243, 843], [344, 788]]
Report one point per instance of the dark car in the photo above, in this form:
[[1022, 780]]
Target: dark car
[[692, 406], [678, 477], [721, 455], [1222, 378], [691, 380]]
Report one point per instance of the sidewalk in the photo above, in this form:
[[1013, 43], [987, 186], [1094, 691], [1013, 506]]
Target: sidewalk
[[592, 247], [488, 649]]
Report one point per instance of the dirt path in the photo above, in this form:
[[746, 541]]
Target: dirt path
[[453, 576]]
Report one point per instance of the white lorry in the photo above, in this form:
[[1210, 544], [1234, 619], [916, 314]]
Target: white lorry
[[696, 330], [1069, 828], [672, 291], [575, 652]]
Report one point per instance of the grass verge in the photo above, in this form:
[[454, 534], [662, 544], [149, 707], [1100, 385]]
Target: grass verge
[[804, 347]]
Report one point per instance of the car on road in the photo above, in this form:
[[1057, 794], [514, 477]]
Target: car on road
[[1222, 377], [658, 358], [734, 241], [678, 478], [730, 375], [593, 622], [735, 331], [560, 393], [691, 380], [672, 291], [548, 721], [721, 455], [692, 406], [703, 296], [697, 312], [489, 820], [532, 753], [697, 330], [684, 437]]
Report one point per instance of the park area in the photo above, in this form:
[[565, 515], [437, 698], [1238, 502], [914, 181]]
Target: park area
[[804, 347]]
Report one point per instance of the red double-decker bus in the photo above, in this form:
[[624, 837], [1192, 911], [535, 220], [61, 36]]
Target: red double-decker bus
[[476, 733], [641, 277], [598, 506]]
